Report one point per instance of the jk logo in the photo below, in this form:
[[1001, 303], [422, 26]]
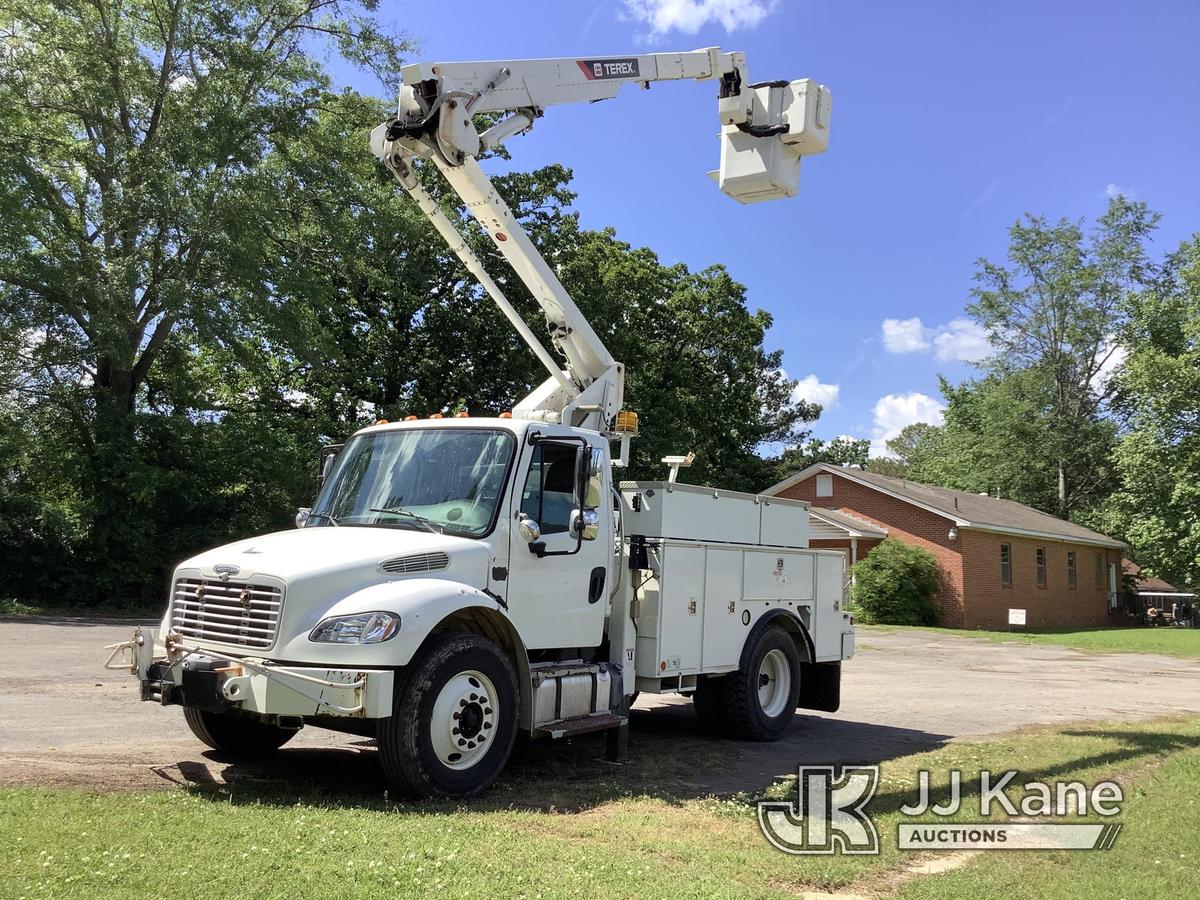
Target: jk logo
[[827, 815]]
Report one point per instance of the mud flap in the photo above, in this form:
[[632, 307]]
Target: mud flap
[[820, 686]]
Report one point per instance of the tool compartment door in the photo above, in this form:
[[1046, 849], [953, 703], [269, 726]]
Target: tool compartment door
[[723, 631], [681, 609], [779, 575]]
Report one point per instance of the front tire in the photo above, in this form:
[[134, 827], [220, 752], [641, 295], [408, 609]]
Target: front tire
[[454, 720], [235, 735]]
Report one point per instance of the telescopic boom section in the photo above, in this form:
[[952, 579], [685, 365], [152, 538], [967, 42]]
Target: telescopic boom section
[[765, 130]]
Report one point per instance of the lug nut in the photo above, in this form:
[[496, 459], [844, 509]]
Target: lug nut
[[474, 697], [456, 715], [471, 746], [486, 725], [461, 742], [454, 731]]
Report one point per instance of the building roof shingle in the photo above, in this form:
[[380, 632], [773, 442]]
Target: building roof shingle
[[967, 510]]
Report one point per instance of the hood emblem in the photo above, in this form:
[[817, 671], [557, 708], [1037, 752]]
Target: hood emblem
[[225, 572]]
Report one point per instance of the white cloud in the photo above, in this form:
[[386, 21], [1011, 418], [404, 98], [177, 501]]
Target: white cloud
[[961, 340], [689, 16], [895, 411], [812, 390], [1110, 358], [1113, 191], [296, 398], [905, 335]]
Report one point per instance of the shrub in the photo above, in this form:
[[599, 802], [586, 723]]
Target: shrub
[[895, 584]]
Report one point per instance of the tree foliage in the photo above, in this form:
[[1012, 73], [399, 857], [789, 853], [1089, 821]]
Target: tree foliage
[[895, 585], [1054, 315], [1158, 460]]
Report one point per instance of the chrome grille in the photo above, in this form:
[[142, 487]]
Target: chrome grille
[[417, 562], [226, 612]]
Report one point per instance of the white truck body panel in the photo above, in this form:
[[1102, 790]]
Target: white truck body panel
[[692, 512], [718, 562], [696, 611]]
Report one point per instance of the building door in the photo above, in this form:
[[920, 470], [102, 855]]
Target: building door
[[1112, 585]]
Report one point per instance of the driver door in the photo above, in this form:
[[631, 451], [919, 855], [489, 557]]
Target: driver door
[[557, 584]]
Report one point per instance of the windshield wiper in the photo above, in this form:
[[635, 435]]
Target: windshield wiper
[[425, 523], [320, 515]]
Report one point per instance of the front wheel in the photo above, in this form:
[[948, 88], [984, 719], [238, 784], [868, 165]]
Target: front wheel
[[235, 735], [454, 720]]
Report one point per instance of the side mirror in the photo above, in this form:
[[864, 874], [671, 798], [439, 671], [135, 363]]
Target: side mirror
[[302, 515], [528, 529], [585, 523], [326, 466]]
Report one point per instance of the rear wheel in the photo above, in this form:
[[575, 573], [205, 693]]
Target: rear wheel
[[235, 735], [454, 720], [757, 702]]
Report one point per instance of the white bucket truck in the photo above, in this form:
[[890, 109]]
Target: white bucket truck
[[460, 580]]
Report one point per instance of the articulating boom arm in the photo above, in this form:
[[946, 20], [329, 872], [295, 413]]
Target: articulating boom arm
[[766, 129]]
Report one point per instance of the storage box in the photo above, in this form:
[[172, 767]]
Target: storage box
[[658, 509]]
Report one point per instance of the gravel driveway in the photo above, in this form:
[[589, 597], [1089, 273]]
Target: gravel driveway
[[64, 720]]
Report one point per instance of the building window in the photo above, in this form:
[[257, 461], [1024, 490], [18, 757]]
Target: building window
[[1072, 579], [1041, 567], [1006, 565], [824, 485], [1099, 573]]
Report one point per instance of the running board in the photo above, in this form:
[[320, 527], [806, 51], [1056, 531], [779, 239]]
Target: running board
[[582, 725]]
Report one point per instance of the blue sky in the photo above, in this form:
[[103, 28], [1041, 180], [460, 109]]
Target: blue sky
[[950, 119]]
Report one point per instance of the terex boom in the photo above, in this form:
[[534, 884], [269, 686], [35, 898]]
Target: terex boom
[[460, 580]]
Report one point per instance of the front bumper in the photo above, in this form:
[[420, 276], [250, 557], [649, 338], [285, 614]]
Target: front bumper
[[212, 680]]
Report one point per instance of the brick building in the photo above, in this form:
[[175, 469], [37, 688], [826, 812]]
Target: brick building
[[995, 555]]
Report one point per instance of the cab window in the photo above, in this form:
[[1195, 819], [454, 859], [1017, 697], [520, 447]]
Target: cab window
[[549, 494]]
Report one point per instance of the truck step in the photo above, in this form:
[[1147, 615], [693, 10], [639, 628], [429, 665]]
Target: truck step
[[582, 725]]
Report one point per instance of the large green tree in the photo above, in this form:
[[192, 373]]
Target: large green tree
[[1054, 314], [134, 140], [1157, 505]]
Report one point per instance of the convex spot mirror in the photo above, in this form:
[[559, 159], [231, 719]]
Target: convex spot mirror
[[585, 523]]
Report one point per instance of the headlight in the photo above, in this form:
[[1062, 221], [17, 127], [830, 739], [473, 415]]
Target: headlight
[[363, 628]]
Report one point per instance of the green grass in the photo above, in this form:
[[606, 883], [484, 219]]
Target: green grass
[[548, 832], [1156, 854], [1182, 642]]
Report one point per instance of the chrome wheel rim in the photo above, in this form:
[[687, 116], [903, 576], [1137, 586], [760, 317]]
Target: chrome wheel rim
[[465, 717], [774, 683]]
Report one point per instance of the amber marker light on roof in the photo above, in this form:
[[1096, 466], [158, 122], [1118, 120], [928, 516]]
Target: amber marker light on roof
[[462, 415], [436, 416], [381, 421], [410, 418], [506, 415]]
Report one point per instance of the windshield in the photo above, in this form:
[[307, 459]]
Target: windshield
[[428, 479]]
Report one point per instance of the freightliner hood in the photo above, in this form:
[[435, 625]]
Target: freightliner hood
[[331, 570], [304, 553]]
